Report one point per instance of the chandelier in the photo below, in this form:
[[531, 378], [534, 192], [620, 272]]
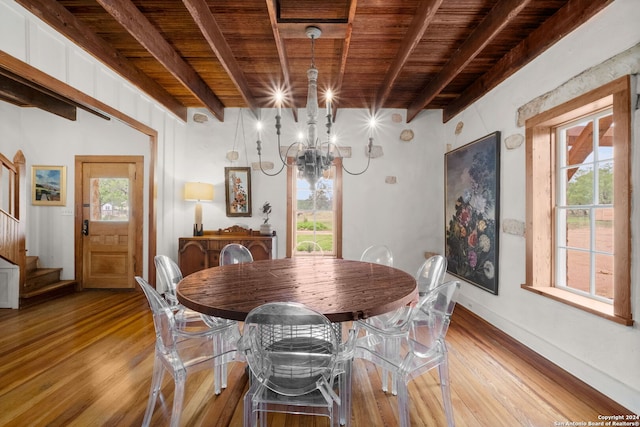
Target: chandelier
[[313, 157]]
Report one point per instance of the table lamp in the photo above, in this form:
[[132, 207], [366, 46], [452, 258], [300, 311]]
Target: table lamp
[[198, 192]]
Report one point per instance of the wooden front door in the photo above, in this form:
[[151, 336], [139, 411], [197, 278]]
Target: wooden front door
[[110, 237]]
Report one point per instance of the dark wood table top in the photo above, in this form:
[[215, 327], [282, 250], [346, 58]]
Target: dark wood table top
[[340, 289]]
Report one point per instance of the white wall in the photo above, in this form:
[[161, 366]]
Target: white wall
[[371, 207], [598, 351], [408, 216]]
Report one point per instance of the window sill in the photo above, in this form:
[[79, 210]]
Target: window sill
[[583, 303]]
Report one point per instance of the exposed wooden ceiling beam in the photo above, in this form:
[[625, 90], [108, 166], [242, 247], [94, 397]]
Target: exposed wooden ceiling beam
[[25, 96], [211, 31], [282, 55], [499, 17], [128, 15], [571, 16], [16, 75], [423, 17], [345, 50], [51, 12]]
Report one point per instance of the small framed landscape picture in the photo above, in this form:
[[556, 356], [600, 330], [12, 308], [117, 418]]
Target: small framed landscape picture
[[238, 191], [49, 185]]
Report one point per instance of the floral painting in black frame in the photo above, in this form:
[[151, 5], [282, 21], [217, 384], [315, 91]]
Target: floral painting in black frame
[[472, 210]]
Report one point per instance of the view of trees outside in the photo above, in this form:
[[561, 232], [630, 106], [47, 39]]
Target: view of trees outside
[[113, 199], [588, 253], [315, 216]]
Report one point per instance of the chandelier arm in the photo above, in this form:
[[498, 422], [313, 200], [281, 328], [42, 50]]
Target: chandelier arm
[[362, 171], [369, 146], [265, 172]]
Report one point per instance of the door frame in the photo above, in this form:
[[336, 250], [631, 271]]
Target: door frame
[[78, 237]]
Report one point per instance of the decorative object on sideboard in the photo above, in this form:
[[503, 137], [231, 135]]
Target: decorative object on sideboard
[[198, 192], [313, 157], [265, 227]]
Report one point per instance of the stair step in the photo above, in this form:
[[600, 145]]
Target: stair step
[[48, 292], [42, 277], [32, 264]]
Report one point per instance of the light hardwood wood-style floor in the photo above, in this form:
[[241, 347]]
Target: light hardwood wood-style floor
[[86, 360]]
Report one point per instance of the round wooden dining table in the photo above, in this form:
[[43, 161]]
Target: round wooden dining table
[[342, 290]]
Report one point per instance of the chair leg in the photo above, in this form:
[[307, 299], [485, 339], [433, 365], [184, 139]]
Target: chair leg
[[345, 395], [403, 402], [156, 382], [178, 398], [443, 370]]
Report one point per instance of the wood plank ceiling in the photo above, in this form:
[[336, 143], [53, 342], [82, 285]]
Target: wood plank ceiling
[[409, 54]]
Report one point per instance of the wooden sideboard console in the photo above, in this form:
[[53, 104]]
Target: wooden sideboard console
[[199, 252]]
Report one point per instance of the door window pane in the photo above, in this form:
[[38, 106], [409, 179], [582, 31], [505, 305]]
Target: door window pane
[[109, 199]]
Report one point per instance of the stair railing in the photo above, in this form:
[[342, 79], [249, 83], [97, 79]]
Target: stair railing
[[12, 209]]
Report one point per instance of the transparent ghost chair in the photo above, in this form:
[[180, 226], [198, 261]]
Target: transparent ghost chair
[[169, 274], [378, 254], [392, 327], [430, 275], [235, 253], [425, 349], [293, 354], [180, 351]]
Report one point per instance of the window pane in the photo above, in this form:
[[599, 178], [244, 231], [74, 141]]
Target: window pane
[[315, 218], [578, 270], [109, 199], [580, 186], [579, 143], [578, 228], [604, 276], [605, 183], [605, 142], [604, 230]]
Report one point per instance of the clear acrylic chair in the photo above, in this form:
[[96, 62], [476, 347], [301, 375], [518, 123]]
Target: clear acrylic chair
[[424, 349], [392, 327], [378, 254], [430, 275], [169, 274], [235, 253], [293, 354], [182, 351]]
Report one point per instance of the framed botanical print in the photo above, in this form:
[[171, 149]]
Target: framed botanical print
[[472, 207], [49, 185], [238, 191]]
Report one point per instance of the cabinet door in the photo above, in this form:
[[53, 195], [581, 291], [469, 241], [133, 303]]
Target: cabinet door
[[192, 256], [260, 250]]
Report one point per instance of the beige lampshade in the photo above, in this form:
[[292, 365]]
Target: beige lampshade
[[198, 191]]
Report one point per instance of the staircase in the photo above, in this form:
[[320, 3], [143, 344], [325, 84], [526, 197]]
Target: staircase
[[43, 284]]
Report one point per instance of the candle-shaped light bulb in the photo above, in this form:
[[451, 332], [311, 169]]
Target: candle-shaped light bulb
[[328, 96], [279, 99]]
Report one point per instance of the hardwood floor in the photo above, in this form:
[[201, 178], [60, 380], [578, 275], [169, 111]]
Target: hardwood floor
[[86, 360]]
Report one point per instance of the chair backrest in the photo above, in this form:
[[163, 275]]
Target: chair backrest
[[235, 253], [163, 319], [309, 246], [378, 254], [289, 347], [431, 274], [435, 310], [170, 275]]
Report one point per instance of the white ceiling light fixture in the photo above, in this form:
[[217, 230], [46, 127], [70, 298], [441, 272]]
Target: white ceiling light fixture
[[312, 156]]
